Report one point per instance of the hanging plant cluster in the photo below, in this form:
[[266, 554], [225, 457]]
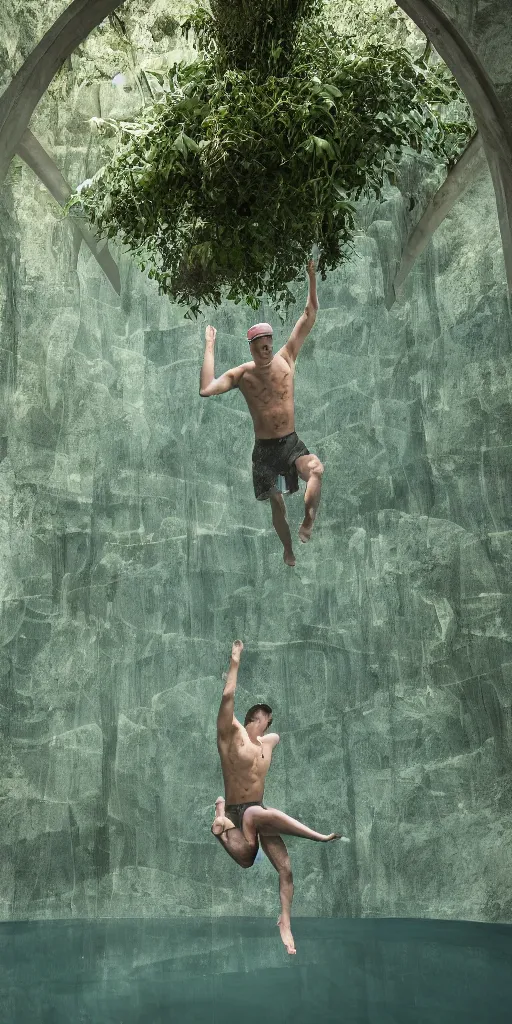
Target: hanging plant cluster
[[256, 151]]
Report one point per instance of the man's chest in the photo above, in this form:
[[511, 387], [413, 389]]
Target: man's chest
[[241, 753], [264, 387]]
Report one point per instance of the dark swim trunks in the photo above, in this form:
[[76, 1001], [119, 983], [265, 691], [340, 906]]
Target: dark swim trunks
[[273, 457], [235, 812]]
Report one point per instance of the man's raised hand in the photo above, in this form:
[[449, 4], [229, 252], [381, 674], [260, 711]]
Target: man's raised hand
[[312, 303], [236, 650], [211, 334]]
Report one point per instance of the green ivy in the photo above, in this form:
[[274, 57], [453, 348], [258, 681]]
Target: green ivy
[[258, 150]]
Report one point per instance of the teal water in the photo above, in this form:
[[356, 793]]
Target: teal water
[[210, 972]]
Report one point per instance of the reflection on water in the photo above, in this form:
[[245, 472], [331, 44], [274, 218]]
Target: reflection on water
[[227, 970]]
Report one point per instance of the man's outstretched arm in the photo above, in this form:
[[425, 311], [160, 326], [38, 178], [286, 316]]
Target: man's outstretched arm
[[208, 385], [226, 720], [272, 738], [306, 321]]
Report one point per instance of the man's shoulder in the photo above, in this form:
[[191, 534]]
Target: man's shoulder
[[244, 367], [272, 737], [286, 355], [234, 733]]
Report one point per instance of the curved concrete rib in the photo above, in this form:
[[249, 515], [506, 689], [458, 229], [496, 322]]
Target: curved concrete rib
[[22, 95], [492, 122], [33, 153], [459, 178]]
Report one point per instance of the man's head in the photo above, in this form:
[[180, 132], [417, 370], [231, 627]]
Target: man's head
[[261, 340], [258, 719]]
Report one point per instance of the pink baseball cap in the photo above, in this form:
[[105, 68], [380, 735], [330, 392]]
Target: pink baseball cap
[[258, 331]]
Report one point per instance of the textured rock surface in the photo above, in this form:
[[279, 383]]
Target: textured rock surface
[[487, 28], [133, 553]]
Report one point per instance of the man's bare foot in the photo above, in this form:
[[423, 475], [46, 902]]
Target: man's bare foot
[[286, 934], [221, 823], [306, 527], [289, 557]]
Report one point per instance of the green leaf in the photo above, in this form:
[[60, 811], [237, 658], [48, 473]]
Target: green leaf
[[331, 90]]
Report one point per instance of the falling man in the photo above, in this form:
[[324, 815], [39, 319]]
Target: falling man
[[266, 382], [241, 818]]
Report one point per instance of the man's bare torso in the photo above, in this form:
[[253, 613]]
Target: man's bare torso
[[244, 766], [269, 395]]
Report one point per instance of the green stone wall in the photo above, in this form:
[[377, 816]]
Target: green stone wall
[[132, 553]]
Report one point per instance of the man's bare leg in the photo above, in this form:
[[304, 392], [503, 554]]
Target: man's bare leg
[[269, 821], [232, 838], [277, 854], [310, 469], [281, 527]]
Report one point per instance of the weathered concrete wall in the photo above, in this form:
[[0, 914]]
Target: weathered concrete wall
[[133, 553]]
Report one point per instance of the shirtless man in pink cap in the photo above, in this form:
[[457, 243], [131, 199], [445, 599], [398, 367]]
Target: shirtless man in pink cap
[[266, 382]]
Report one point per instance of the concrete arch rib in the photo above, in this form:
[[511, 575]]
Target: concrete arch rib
[[470, 164], [35, 156], [29, 84], [460, 55]]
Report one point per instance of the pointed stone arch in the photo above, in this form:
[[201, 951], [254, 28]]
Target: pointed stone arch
[[456, 37], [19, 100], [461, 41]]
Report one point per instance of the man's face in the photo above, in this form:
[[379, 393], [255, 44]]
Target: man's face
[[262, 348], [262, 720]]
